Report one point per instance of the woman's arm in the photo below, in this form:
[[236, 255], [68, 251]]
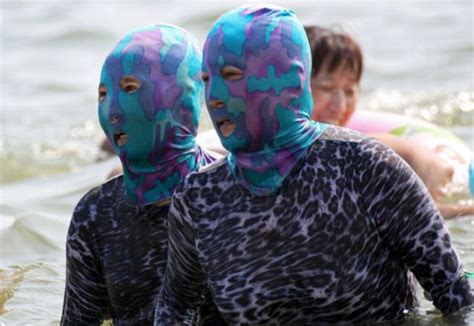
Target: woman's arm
[[85, 297], [433, 170], [411, 225], [450, 211], [184, 285]]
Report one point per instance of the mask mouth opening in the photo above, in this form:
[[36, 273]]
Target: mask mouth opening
[[226, 127], [120, 139]]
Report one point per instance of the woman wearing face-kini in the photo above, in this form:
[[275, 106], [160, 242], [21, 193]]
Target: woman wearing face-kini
[[150, 95], [302, 223]]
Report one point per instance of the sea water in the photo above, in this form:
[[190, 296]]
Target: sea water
[[418, 61]]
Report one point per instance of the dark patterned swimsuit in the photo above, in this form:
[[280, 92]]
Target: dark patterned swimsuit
[[116, 257], [333, 244]]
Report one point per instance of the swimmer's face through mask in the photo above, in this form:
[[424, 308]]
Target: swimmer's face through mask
[[129, 84], [257, 78], [126, 108], [149, 95]]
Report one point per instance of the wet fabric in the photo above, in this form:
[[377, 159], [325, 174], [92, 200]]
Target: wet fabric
[[116, 252], [271, 104], [116, 257], [161, 118], [334, 246]]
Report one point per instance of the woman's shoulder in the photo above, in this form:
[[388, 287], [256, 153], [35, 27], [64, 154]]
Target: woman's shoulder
[[111, 187], [335, 137], [99, 200], [338, 141], [341, 134], [206, 176], [350, 151]]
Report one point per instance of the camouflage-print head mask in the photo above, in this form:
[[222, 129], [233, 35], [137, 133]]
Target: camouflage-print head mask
[[271, 103], [150, 97]]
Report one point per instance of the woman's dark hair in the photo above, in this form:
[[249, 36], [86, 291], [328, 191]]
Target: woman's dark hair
[[337, 47]]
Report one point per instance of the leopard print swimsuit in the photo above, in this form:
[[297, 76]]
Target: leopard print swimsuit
[[335, 243], [116, 256]]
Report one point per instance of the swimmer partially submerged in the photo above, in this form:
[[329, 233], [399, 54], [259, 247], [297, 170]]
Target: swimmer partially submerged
[[302, 223], [335, 81], [150, 97]]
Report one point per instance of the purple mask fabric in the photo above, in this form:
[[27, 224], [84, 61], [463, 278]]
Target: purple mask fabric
[[271, 103], [160, 118]]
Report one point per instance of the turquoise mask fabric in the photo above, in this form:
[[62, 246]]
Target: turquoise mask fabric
[[271, 104], [161, 118]]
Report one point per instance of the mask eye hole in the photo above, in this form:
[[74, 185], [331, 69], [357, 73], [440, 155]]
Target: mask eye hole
[[102, 92], [129, 84], [205, 77], [231, 73]]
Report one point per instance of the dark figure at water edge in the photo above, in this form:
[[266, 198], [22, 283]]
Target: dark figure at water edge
[[302, 223], [150, 97], [335, 80]]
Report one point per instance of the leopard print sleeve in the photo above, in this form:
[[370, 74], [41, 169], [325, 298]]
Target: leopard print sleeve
[[409, 222], [183, 286], [85, 298]]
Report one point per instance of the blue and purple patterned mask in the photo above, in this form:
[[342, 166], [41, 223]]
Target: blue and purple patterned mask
[[150, 98], [270, 103]]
